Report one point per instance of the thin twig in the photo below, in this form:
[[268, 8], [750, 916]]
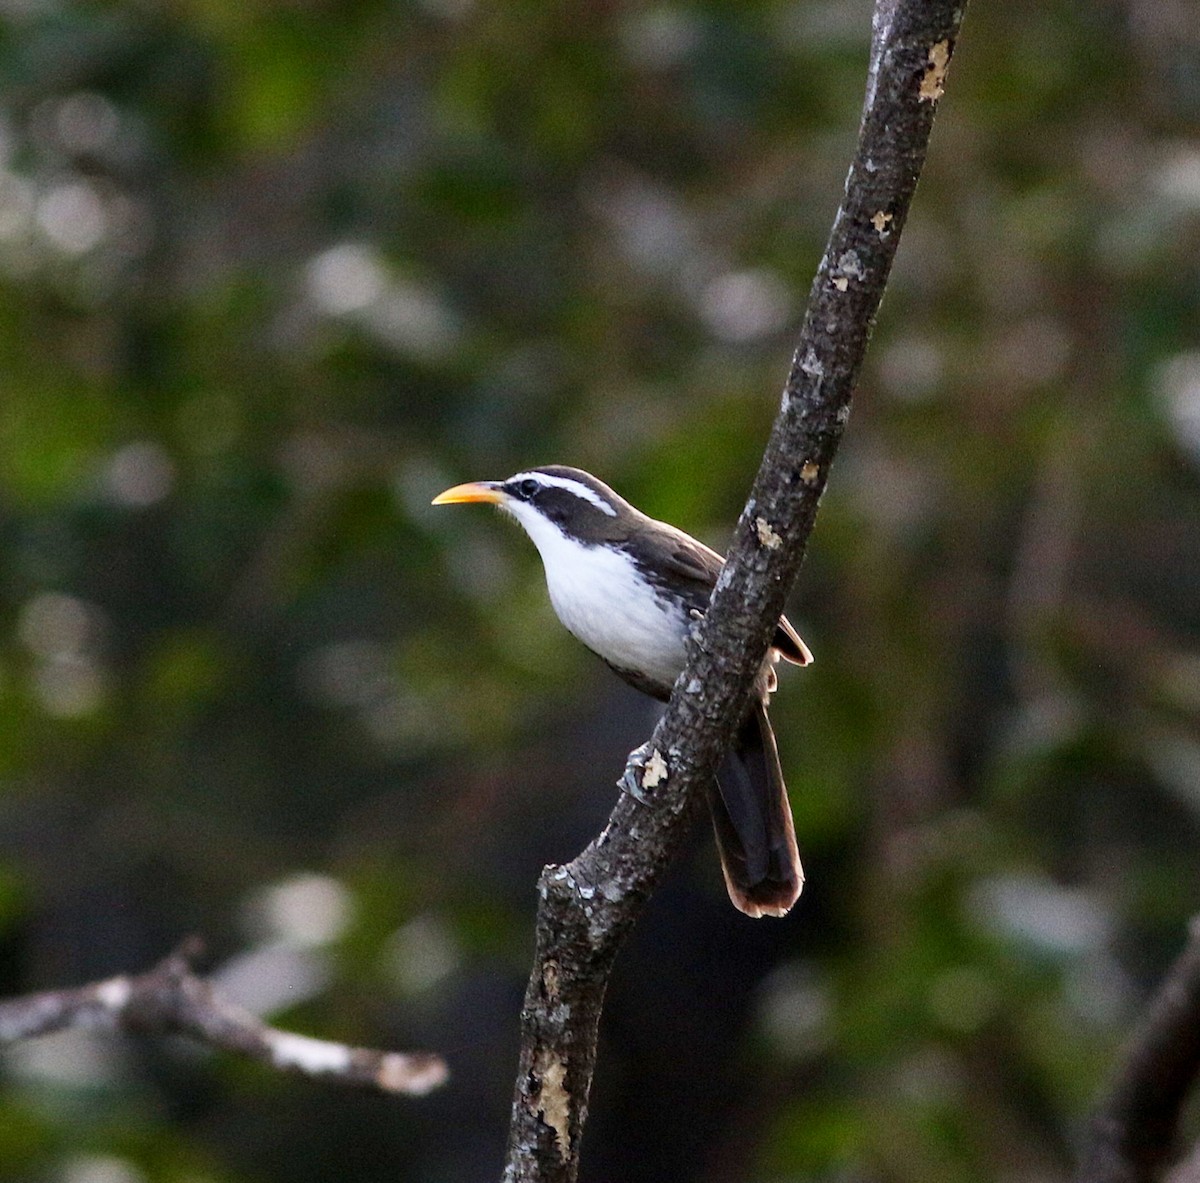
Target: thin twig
[[587, 906], [171, 999], [1134, 1131]]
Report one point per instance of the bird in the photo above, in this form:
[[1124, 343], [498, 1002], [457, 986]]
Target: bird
[[632, 589]]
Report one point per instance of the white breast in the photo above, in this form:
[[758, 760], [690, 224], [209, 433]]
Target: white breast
[[597, 596]]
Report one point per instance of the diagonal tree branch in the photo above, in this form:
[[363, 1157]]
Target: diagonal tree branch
[[587, 906], [171, 999], [1134, 1131]]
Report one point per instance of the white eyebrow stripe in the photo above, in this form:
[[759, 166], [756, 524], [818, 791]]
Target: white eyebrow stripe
[[572, 486]]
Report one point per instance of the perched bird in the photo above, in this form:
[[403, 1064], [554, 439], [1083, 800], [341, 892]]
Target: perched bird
[[631, 589]]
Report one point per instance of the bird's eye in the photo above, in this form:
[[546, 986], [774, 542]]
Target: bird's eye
[[528, 488]]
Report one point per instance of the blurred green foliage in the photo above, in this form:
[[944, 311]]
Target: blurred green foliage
[[272, 275]]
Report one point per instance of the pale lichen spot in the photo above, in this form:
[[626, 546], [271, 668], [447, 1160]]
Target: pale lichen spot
[[314, 1056], [554, 1102], [810, 472], [850, 264], [841, 283], [934, 80], [550, 979], [880, 220], [114, 994], [767, 535], [416, 1076], [811, 365], [655, 771]]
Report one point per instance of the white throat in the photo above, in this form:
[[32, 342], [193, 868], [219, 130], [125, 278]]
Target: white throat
[[600, 598]]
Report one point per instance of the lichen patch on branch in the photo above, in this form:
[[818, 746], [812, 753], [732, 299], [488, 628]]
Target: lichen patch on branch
[[767, 534], [550, 980], [933, 84], [850, 264], [313, 1056], [554, 1102], [412, 1074], [114, 994], [655, 771]]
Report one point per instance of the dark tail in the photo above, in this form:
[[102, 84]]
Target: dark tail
[[753, 822]]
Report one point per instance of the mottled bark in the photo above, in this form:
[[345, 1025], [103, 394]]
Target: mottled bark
[[1136, 1126], [586, 907]]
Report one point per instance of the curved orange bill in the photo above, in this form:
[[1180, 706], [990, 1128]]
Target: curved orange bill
[[489, 491]]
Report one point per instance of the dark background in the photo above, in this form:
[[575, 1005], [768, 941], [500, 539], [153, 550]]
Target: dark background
[[273, 274]]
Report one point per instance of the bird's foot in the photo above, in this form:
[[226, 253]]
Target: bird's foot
[[642, 766]]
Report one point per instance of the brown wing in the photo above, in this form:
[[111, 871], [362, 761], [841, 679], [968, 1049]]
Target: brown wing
[[692, 561], [698, 565]]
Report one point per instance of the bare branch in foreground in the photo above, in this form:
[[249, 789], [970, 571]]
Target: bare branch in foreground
[[587, 906], [1134, 1131], [170, 999]]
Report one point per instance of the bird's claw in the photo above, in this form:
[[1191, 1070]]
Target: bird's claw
[[631, 778]]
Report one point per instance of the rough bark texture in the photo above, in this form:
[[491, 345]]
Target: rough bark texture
[[586, 907], [170, 999], [1135, 1129]]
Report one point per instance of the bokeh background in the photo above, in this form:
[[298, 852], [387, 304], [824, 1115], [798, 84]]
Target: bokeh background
[[273, 274]]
